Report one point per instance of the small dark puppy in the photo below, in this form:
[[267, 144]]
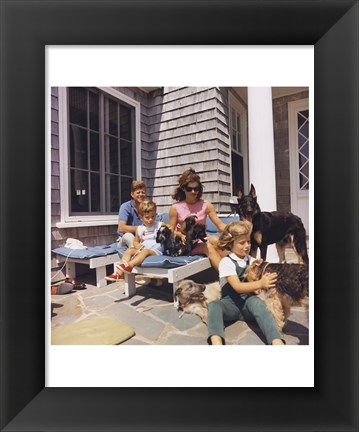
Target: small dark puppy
[[281, 228], [292, 288], [172, 245], [193, 231]]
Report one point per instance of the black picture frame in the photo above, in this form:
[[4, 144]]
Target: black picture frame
[[27, 27]]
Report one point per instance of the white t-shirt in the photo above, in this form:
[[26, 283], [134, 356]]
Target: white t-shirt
[[147, 236], [228, 268]]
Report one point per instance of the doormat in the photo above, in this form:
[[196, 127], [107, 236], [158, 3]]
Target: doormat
[[102, 330]]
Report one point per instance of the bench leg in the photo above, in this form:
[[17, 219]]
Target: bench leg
[[71, 270], [100, 276], [130, 285]]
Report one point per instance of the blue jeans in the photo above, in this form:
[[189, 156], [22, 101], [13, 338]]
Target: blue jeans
[[253, 307]]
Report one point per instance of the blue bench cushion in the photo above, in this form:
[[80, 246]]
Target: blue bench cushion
[[90, 252], [211, 227], [152, 261], [165, 261]]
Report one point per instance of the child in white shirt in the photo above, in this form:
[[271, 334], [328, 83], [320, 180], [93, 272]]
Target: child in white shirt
[[145, 239], [237, 300]]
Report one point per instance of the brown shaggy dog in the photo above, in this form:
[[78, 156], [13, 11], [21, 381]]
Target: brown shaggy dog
[[193, 297], [292, 287]]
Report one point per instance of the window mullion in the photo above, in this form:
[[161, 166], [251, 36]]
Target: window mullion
[[102, 152], [88, 151]]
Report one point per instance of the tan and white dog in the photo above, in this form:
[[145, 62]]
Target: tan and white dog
[[193, 297]]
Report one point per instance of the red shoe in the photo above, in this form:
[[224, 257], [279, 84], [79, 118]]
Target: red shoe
[[114, 277], [125, 268]]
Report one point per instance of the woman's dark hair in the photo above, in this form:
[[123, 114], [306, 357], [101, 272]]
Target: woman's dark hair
[[187, 176]]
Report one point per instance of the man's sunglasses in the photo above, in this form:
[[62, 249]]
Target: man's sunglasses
[[190, 189]]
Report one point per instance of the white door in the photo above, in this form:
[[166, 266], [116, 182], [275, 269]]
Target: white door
[[298, 119]]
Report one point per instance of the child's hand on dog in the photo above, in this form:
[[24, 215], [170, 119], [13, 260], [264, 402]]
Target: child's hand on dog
[[268, 280]]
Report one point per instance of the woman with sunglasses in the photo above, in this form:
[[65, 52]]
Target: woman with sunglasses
[[190, 203]]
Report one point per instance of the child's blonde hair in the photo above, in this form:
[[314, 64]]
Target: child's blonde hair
[[146, 207], [231, 231]]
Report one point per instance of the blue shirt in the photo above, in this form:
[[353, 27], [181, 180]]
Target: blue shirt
[[128, 214]]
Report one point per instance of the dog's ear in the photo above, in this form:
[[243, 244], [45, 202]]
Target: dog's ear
[[258, 261], [252, 192], [239, 194]]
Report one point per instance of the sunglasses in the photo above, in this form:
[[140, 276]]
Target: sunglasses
[[190, 189]]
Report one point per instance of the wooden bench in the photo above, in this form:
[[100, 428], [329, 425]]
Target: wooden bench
[[98, 263], [174, 275]]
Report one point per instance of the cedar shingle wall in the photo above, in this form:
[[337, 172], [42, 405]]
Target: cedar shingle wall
[[186, 127]]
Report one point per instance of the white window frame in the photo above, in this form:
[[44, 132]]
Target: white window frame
[[242, 110], [67, 221]]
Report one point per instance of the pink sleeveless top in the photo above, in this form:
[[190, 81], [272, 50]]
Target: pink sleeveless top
[[198, 209]]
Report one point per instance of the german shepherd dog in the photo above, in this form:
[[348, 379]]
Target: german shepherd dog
[[281, 228], [292, 288]]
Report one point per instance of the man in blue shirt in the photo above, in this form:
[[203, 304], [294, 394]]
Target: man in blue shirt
[[128, 221]]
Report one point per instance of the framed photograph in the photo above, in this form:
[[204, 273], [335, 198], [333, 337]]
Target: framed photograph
[[178, 100], [332, 28]]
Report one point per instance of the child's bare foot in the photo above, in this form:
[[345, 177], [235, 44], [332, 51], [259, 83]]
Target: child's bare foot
[[216, 340], [277, 342]]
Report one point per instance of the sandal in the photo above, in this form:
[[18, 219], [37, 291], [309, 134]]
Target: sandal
[[76, 284], [63, 288]]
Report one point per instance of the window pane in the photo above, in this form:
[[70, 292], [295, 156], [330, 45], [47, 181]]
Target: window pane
[[125, 189], [239, 143], [95, 193], [304, 176], [125, 123], [78, 147], [234, 140], [303, 116], [111, 117], [233, 119], [78, 106], [94, 111], [111, 155], [94, 152], [303, 148], [237, 173], [238, 123], [126, 158], [112, 193], [79, 191]]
